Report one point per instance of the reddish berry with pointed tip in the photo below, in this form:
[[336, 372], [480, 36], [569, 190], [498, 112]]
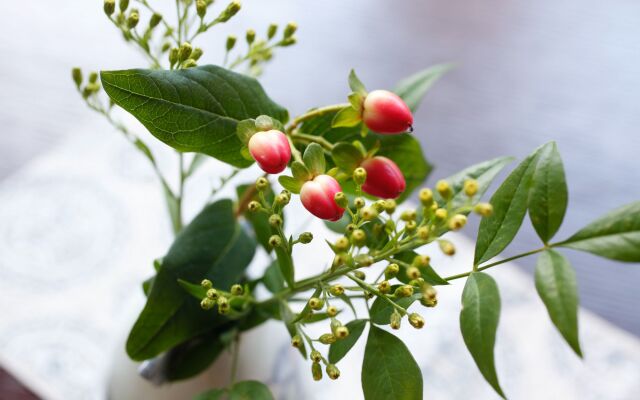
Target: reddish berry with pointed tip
[[271, 150], [386, 113], [317, 197], [384, 178]]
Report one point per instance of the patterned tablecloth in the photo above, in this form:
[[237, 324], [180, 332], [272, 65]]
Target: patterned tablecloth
[[80, 226]]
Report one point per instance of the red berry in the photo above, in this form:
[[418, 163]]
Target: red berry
[[317, 196], [271, 150], [384, 178], [385, 112]]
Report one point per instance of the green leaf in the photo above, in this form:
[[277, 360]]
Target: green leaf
[[291, 184], [195, 355], [346, 117], [549, 195], [195, 290], [306, 310], [355, 84], [313, 158], [340, 348], [389, 371], [413, 88], [285, 263], [194, 109], [245, 129], [346, 156], [289, 320], [483, 172], [427, 273], [273, 279], [479, 321], [509, 208], [615, 235], [212, 246], [381, 309], [250, 390], [558, 289], [213, 394], [300, 171]]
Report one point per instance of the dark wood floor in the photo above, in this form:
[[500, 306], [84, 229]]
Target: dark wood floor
[[528, 72]]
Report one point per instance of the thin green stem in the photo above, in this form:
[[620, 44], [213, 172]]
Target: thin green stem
[[506, 260], [375, 291], [317, 112], [314, 139]]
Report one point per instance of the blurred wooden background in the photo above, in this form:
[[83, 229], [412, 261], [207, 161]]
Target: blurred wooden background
[[527, 73]]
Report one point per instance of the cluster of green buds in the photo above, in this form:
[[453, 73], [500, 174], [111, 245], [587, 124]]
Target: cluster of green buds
[[184, 56], [88, 89], [233, 303]]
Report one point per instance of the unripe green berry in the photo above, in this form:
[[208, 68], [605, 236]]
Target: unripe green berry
[[483, 209], [315, 356], [275, 241], [341, 332], [423, 233], [262, 184], [441, 214], [305, 237], [395, 320], [360, 275], [332, 311], [447, 247], [391, 271], [275, 220], [390, 206], [379, 205], [340, 259], [408, 215], [364, 260], [359, 176], [342, 244], [231, 42], [350, 228], [384, 287], [426, 197], [359, 202], [404, 291], [282, 199], [207, 303], [296, 341], [470, 187], [327, 338], [341, 199], [416, 320], [410, 226], [457, 222], [413, 273], [333, 372], [316, 303], [223, 305], [359, 237], [368, 213], [213, 294], [336, 290], [421, 261], [254, 206], [237, 290], [206, 283], [444, 189], [316, 371]]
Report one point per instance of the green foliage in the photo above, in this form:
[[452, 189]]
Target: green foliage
[[314, 159], [204, 249], [346, 156], [389, 371], [479, 321], [273, 279], [346, 117], [340, 348], [615, 235], [556, 284], [381, 309], [427, 273], [244, 390], [190, 358], [195, 109], [413, 88]]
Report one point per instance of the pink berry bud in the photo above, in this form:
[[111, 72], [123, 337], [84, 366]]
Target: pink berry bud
[[317, 196], [385, 112], [384, 178], [271, 150]]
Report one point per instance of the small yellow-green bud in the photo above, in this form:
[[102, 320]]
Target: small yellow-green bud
[[359, 202], [429, 296], [231, 42], [410, 226], [447, 247], [185, 51], [404, 291], [426, 197], [250, 36], [275, 241], [283, 199], [389, 225], [342, 332], [76, 74], [335, 324], [123, 5], [423, 233], [133, 19], [262, 183], [201, 8], [360, 275], [359, 176], [173, 56], [327, 338], [341, 199], [416, 320], [213, 294], [315, 356], [316, 371], [207, 303], [333, 372], [305, 237], [368, 213], [384, 287], [441, 214], [340, 259], [390, 206], [254, 206], [413, 273], [290, 29], [237, 290], [483, 209], [231, 10], [358, 237], [316, 303], [457, 222], [391, 271], [421, 261], [190, 63], [470, 187], [196, 54], [408, 215], [395, 320], [109, 7], [206, 283], [332, 311], [296, 341], [364, 260], [271, 31], [155, 20], [336, 289], [444, 189], [350, 228], [342, 244], [275, 220], [165, 47]]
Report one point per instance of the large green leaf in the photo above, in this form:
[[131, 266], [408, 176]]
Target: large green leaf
[[389, 371], [413, 88], [250, 390], [194, 109], [615, 235], [195, 355], [509, 208], [549, 195], [340, 348], [557, 287], [479, 321], [483, 172], [212, 246]]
